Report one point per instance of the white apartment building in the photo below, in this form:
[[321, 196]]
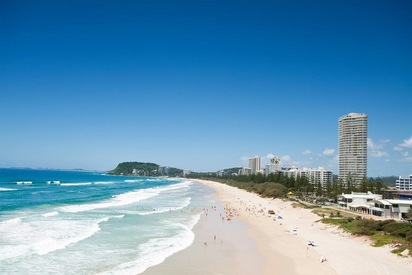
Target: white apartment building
[[353, 134], [245, 171], [319, 175], [391, 209], [360, 202], [314, 175], [254, 164], [273, 166], [373, 204], [404, 183]]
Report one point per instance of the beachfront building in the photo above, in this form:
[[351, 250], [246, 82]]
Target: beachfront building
[[373, 204], [314, 175], [221, 173], [319, 175], [353, 134], [254, 164], [391, 209], [359, 202], [245, 171], [163, 170], [404, 183], [273, 166]]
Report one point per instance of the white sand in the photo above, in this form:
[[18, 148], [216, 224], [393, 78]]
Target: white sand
[[280, 246]]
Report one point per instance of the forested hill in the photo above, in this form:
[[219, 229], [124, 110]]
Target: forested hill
[[144, 169], [130, 168]]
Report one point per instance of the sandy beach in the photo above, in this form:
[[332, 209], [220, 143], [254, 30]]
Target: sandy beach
[[254, 242]]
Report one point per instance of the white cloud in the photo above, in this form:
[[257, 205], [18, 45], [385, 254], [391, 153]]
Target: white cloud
[[370, 144], [405, 154], [286, 158], [269, 156], [328, 152], [375, 146], [379, 154], [407, 143], [397, 148], [306, 152]]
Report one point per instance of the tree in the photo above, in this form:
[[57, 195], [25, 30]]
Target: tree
[[319, 191], [328, 188], [379, 185], [364, 185]]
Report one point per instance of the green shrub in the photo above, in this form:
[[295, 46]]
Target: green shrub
[[400, 229], [365, 227]]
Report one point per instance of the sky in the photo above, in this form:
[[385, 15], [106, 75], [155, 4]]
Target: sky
[[203, 85]]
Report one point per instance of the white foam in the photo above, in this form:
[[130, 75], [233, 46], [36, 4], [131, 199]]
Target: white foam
[[182, 205], [57, 182], [12, 251], [123, 199], [10, 222], [193, 221], [76, 234], [76, 184], [50, 214], [176, 186], [24, 182], [119, 200], [154, 252], [7, 189], [133, 180], [104, 182]]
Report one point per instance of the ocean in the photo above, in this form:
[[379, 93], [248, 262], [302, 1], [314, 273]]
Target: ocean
[[74, 222]]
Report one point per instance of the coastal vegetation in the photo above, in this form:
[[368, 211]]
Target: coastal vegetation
[[398, 235], [144, 169], [299, 186], [278, 185], [389, 232], [127, 168]]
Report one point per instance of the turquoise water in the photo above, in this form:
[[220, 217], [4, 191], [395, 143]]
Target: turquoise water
[[90, 223]]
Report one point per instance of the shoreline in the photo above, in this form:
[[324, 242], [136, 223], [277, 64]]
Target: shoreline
[[277, 245], [220, 246]]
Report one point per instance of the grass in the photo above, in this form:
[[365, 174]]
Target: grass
[[341, 223], [305, 205], [379, 238]]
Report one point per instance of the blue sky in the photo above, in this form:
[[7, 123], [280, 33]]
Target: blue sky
[[203, 85]]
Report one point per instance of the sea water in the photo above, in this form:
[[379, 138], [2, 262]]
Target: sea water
[[71, 222]]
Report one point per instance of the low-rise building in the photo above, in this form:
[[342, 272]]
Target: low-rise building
[[373, 204], [392, 209], [404, 183], [359, 202]]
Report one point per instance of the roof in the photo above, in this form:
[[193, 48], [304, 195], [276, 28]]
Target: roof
[[359, 205], [408, 202], [384, 202]]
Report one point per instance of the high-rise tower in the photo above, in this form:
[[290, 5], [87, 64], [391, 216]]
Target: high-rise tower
[[254, 164], [353, 135]]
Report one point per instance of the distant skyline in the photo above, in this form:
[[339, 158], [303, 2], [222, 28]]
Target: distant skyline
[[203, 85]]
